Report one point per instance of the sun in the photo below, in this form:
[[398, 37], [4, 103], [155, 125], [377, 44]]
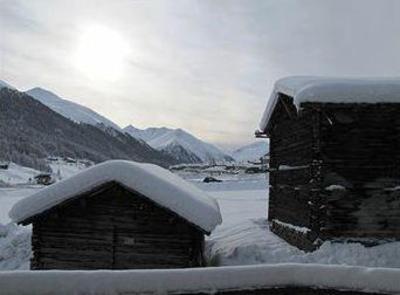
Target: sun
[[101, 53]]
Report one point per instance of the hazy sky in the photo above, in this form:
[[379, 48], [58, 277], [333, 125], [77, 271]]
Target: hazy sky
[[204, 66]]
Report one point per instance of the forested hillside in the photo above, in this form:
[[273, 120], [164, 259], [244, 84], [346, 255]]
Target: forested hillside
[[30, 131]]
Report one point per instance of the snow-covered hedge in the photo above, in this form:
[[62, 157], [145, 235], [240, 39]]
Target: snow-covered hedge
[[206, 280]]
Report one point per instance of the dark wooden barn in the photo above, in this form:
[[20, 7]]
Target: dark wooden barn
[[118, 215], [44, 179], [4, 165], [334, 160]]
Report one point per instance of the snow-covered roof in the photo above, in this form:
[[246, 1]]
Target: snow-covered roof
[[332, 90], [154, 182]]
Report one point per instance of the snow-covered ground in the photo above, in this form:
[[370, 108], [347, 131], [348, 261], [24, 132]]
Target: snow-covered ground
[[16, 174], [62, 169], [255, 279], [15, 241], [242, 239]]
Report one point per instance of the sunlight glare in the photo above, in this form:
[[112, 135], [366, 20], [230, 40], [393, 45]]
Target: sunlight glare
[[101, 53]]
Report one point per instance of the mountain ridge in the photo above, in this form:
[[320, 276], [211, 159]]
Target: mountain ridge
[[4, 84], [69, 109], [168, 139], [32, 131], [177, 143], [251, 152]]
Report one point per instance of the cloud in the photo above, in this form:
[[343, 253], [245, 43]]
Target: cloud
[[205, 66]]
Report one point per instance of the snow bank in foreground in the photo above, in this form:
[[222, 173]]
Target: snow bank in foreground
[[15, 247], [205, 280], [251, 242]]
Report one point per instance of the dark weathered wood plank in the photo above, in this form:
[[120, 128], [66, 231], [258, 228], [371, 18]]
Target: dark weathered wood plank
[[114, 229]]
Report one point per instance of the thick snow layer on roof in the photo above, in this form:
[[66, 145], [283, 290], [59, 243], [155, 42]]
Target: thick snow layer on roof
[[332, 90], [202, 280], [154, 182]]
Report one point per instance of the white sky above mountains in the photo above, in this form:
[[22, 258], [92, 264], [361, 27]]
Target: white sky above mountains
[[204, 66]]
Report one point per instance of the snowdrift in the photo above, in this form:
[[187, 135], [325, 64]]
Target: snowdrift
[[203, 280]]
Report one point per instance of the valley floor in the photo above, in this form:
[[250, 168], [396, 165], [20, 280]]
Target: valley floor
[[242, 239]]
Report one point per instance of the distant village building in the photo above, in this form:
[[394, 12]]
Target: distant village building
[[334, 160], [254, 169], [4, 165], [70, 160], [44, 179], [209, 179], [118, 215], [52, 159]]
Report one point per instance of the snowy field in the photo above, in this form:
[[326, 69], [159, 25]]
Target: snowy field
[[17, 175], [242, 239]]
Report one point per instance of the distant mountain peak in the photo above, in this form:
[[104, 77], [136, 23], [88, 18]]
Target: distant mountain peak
[[40, 89], [178, 141], [130, 126], [251, 152]]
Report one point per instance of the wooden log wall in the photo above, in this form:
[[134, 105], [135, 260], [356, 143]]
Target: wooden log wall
[[294, 143], [289, 196], [353, 145], [291, 139], [365, 214], [115, 229], [361, 144], [360, 151]]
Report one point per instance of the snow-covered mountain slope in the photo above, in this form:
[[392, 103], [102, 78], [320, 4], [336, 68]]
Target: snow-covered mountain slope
[[147, 134], [174, 140], [251, 152], [69, 109], [4, 84], [51, 134]]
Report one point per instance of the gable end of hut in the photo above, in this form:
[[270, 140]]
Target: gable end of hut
[[113, 228]]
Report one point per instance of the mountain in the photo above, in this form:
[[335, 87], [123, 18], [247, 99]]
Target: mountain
[[146, 134], [180, 144], [5, 85], [31, 131], [251, 152], [69, 109]]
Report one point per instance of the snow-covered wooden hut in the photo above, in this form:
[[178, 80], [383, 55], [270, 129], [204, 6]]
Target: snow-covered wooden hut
[[334, 159], [118, 215]]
